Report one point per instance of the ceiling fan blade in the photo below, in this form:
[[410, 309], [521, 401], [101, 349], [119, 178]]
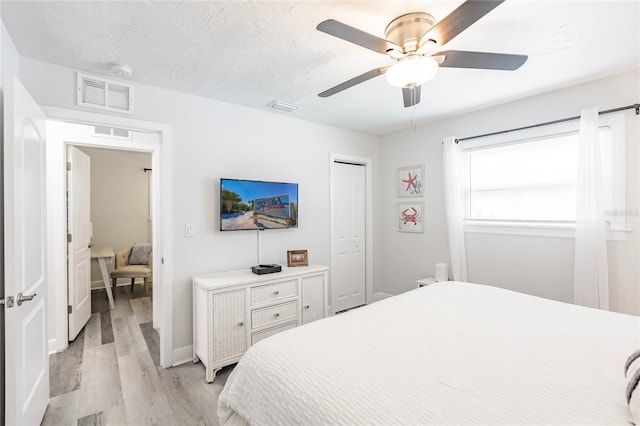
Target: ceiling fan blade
[[356, 36], [459, 20], [411, 96], [481, 60], [355, 80]]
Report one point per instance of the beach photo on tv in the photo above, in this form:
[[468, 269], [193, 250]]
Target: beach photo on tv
[[255, 205]]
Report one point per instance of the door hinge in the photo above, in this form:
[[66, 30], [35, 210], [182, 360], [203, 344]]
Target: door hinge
[[162, 260], [69, 238], [68, 166], [69, 309]]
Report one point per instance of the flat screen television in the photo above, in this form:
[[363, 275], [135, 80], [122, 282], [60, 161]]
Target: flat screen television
[[257, 205]]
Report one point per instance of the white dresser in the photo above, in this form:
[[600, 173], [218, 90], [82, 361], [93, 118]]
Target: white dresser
[[236, 309]]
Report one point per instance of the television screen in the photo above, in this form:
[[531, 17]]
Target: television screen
[[250, 204]]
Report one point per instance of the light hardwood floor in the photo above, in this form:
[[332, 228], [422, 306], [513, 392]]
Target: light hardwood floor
[[110, 375]]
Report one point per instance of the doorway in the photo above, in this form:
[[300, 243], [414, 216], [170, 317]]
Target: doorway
[[152, 139], [119, 219], [351, 232]]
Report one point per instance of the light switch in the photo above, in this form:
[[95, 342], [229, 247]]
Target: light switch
[[189, 230]]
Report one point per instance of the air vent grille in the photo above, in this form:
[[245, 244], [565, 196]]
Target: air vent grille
[[93, 92], [102, 130], [98, 92], [112, 132], [121, 133], [119, 97]]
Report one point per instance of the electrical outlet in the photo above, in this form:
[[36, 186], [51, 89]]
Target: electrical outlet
[[189, 230]]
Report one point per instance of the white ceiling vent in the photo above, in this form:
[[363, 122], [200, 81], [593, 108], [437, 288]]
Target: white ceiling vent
[[101, 93]]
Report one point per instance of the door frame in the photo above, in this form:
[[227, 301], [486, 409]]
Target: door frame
[[162, 217], [368, 165]]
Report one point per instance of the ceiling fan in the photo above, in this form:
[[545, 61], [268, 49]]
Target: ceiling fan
[[413, 42]]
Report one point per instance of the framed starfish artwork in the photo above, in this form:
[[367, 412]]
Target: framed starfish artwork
[[410, 217], [409, 181]]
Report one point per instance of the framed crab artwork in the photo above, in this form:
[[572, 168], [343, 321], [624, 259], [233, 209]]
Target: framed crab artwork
[[410, 217], [409, 181]]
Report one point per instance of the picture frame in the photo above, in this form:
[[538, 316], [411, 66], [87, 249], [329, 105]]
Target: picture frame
[[409, 181], [297, 258], [410, 217]]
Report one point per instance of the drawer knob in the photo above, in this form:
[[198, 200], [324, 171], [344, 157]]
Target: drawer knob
[[306, 306], [277, 315], [240, 324], [276, 292]]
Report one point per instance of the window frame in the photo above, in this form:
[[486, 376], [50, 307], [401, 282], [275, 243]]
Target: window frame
[[556, 229]]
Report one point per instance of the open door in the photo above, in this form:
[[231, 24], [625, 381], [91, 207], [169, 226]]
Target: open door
[[26, 361], [79, 237]]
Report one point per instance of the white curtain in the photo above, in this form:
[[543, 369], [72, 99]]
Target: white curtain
[[591, 277], [453, 166]]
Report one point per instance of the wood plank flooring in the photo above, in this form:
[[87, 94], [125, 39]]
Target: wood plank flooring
[[110, 375]]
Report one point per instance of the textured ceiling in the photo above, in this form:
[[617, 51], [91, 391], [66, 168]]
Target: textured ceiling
[[252, 53]]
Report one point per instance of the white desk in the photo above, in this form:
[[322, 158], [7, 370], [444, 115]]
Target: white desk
[[101, 254]]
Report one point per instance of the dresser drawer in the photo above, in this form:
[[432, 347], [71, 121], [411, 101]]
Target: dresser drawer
[[256, 337], [273, 314], [272, 292]]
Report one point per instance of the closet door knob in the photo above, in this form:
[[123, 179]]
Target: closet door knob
[[240, 324], [276, 292], [277, 315], [306, 306]]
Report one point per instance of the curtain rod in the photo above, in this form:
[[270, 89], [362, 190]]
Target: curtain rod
[[562, 120]]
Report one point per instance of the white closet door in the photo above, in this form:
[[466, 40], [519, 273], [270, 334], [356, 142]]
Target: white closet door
[[348, 257]]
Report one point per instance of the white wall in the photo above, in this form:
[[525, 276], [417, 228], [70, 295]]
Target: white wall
[[119, 201], [213, 139], [9, 58], [533, 265]]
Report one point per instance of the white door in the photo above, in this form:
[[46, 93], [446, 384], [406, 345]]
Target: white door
[[348, 216], [79, 239], [26, 361]]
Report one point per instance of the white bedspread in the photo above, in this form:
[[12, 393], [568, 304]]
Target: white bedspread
[[448, 353]]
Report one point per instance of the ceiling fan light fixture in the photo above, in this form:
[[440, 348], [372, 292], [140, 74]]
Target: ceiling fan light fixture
[[412, 71]]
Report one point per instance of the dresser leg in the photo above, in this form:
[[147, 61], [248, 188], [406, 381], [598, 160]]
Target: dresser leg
[[211, 374]]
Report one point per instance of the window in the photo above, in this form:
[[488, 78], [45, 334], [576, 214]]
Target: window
[[528, 178]]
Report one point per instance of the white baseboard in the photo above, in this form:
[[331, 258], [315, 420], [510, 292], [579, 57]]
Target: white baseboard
[[95, 285], [54, 346], [98, 285], [182, 355]]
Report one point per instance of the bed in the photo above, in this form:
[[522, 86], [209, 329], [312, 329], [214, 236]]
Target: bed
[[447, 353]]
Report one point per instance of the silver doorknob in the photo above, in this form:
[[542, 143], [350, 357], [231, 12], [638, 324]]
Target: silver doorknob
[[25, 298]]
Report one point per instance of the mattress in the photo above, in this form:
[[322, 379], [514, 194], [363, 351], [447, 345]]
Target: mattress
[[447, 353]]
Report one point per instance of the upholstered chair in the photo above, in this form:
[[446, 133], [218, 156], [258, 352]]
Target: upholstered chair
[[124, 269]]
